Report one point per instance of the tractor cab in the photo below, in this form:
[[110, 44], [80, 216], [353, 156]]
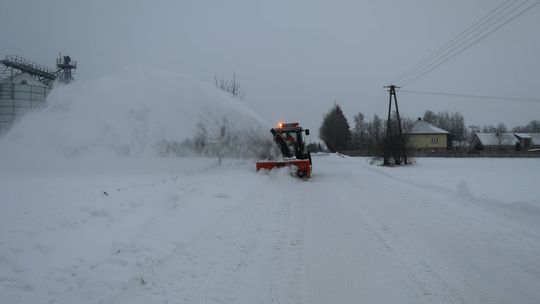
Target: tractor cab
[[293, 134]]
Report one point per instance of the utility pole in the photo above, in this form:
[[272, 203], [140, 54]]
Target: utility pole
[[387, 149]]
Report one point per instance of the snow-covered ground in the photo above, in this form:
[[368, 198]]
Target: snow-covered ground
[[184, 230], [90, 214]]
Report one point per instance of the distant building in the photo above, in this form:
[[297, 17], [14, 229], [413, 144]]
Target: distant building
[[460, 145], [528, 140], [505, 142], [427, 137], [19, 94], [24, 85]]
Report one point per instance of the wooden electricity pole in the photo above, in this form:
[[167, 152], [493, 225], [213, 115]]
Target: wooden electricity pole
[[387, 148]]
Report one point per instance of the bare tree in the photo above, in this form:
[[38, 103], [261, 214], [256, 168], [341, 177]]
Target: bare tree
[[532, 127], [230, 86], [396, 141], [453, 122], [359, 132], [376, 133], [430, 117], [499, 133]]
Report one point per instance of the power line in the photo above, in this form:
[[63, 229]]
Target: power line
[[458, 49], [461, 36], [444, 60], [454, 45], [461, 43], [381, 102], [470, 96]]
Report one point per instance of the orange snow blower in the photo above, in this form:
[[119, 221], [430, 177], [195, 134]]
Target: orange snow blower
[[289, 137]]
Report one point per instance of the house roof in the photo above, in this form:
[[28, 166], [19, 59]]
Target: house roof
[[424, 127], [522, 135], [490, 139]]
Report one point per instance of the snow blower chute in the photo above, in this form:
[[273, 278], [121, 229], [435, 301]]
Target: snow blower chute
[[289, 137]]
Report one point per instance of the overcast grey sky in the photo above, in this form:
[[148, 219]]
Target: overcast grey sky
[[294, 58]]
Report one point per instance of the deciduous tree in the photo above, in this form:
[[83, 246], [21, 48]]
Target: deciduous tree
[[232, 86]]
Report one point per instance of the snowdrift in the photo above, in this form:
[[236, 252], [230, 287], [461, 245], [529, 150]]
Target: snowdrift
[[136, 112]]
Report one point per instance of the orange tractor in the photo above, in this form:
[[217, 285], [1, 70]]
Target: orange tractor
[[290, 139]]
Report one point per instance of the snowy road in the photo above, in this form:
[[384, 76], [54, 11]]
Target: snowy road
[[385, 240], [354, 233]]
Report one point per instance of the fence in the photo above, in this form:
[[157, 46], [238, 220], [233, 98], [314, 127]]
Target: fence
[[451, 153]]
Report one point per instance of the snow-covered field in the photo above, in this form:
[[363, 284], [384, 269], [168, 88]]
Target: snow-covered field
[[184, 230]]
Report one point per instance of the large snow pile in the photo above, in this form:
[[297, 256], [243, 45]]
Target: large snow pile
[[138, 112]]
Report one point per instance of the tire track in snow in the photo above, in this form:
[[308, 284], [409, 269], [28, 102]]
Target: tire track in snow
[[467, 220], [346, 259], [416, 273], [182, 248], [288, 245], [459, 250], [239, 258], [376, 240]]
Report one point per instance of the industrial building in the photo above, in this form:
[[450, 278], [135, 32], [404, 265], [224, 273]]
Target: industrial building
[[24, 85]]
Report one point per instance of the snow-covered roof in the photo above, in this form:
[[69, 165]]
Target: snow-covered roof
[[491, 139], [23, 78], [522, 135], [424, 127]]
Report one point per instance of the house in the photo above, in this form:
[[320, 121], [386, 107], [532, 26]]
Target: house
[[525, 141], [505, 141], [528, 140], [427, 137]]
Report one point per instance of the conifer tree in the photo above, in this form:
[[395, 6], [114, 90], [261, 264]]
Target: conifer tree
[[335, 131]]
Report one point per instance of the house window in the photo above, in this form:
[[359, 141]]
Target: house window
[[434, 140]]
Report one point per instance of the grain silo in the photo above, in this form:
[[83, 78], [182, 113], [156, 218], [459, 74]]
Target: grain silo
[[24, 85], [19, 94]]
